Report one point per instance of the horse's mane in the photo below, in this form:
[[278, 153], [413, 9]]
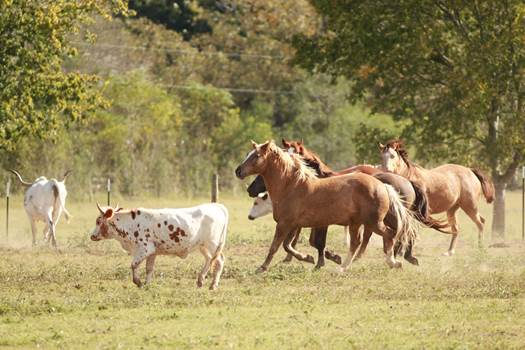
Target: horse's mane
[[398, 146], [313, 161], [293, 165]]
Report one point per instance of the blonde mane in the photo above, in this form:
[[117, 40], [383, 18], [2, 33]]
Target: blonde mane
[[293, 164]]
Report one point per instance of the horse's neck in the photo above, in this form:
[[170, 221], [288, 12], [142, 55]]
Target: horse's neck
[[321, 168], [413, 172], [278, 185]]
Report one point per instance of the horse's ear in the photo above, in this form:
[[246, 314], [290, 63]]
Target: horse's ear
[[301, 142], [254, 144], [264, 147], [285, 143]]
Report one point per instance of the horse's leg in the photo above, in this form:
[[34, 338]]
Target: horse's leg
[[330, 255], [318, 241], [473, 214], [287, 245], [289, 256], [366, 238], [408, 253], [280, 234], [388, 244], [453, 222], [355, 241]]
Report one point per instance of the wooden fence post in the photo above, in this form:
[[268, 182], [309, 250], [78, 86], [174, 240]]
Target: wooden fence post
[[108, 187], [214, 188], [7, 190], [523, 202]]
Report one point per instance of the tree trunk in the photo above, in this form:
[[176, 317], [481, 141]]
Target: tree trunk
[[498, 211]]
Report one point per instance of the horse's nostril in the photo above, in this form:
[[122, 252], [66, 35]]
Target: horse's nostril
[[238, 172]]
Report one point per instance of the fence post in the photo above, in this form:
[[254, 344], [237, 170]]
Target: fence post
[[7, 190], [214, 188], [108, 187], [523, 202]]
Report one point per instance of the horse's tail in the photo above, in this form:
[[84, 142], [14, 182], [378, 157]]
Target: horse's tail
[[486, 185], [407, 224], [422, 211]]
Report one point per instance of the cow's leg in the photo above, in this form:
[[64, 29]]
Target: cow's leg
[[150, 264], [46, 233], [217, 271], [33, 230], [140, 255], [51, 226], [202, 275]]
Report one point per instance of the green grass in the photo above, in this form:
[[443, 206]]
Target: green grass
[[83, 297]]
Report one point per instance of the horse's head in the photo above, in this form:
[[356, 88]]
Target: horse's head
[[294, 147], [256, 187], [255, 161], [392, 156]]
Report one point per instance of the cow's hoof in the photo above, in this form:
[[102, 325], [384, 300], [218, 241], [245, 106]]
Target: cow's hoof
[[448, 253], [213, 287], [199, 284], [398, 265]]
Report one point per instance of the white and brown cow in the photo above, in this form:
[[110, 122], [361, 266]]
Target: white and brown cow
[[144, 233]]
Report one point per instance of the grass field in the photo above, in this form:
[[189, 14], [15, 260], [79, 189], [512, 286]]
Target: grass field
[[83, 297]]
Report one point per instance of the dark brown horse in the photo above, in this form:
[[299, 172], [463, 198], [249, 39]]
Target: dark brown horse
[[300, 199], [448, 187], [412, 194]]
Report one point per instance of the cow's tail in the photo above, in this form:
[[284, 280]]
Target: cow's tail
[[60, 198], [222, 239], [486, 184], [407, 224]]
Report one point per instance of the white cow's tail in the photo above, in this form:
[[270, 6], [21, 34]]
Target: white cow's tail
[[222, 239], [407, 224], [60, 198]]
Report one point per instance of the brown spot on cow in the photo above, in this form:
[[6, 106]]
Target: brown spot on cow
[[170, 227], [140, 239], [165, 223], [133, 214], [138, 212], [136, 234], [147, 235], [158, 225], [162, 241], [181, 232]]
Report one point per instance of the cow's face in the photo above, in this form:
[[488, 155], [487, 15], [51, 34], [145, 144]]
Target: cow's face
[[102, 230], [262, 205]]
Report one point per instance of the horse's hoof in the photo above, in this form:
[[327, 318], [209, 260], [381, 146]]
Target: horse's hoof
[[199, 284], [341, 270], [213, 287], [318, 266], [412, 260], [309, 259], [449, 253], [138, 283], [261, 269], [287, 260]]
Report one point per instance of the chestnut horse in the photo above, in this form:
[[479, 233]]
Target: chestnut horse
[[448, 187], [413, 195], [300, 199]]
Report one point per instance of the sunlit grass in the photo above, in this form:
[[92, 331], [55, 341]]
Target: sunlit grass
[[83, 296]]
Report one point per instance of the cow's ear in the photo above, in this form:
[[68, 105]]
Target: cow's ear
[[381, 147], [109, 213], [265, 196], [286, 144]]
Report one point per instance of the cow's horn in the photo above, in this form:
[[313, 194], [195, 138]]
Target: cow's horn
[[100, 209], [26, 184], [66, 174]]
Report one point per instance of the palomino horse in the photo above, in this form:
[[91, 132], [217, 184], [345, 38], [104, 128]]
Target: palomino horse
[[300, 199], [413, 195], [448, 187]]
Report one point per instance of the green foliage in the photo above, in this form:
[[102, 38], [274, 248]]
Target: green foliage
[[36, 95], [454, 69]]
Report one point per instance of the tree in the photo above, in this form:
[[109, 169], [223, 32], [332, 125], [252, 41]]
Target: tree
[[454, 69], [36, 95]]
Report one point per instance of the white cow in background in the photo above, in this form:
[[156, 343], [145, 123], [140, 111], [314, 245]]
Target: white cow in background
[[146, 233], [45, 200]]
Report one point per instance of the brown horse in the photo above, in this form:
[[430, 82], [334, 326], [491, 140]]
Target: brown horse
[[448, 187], [412, 194], [300, 199]]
